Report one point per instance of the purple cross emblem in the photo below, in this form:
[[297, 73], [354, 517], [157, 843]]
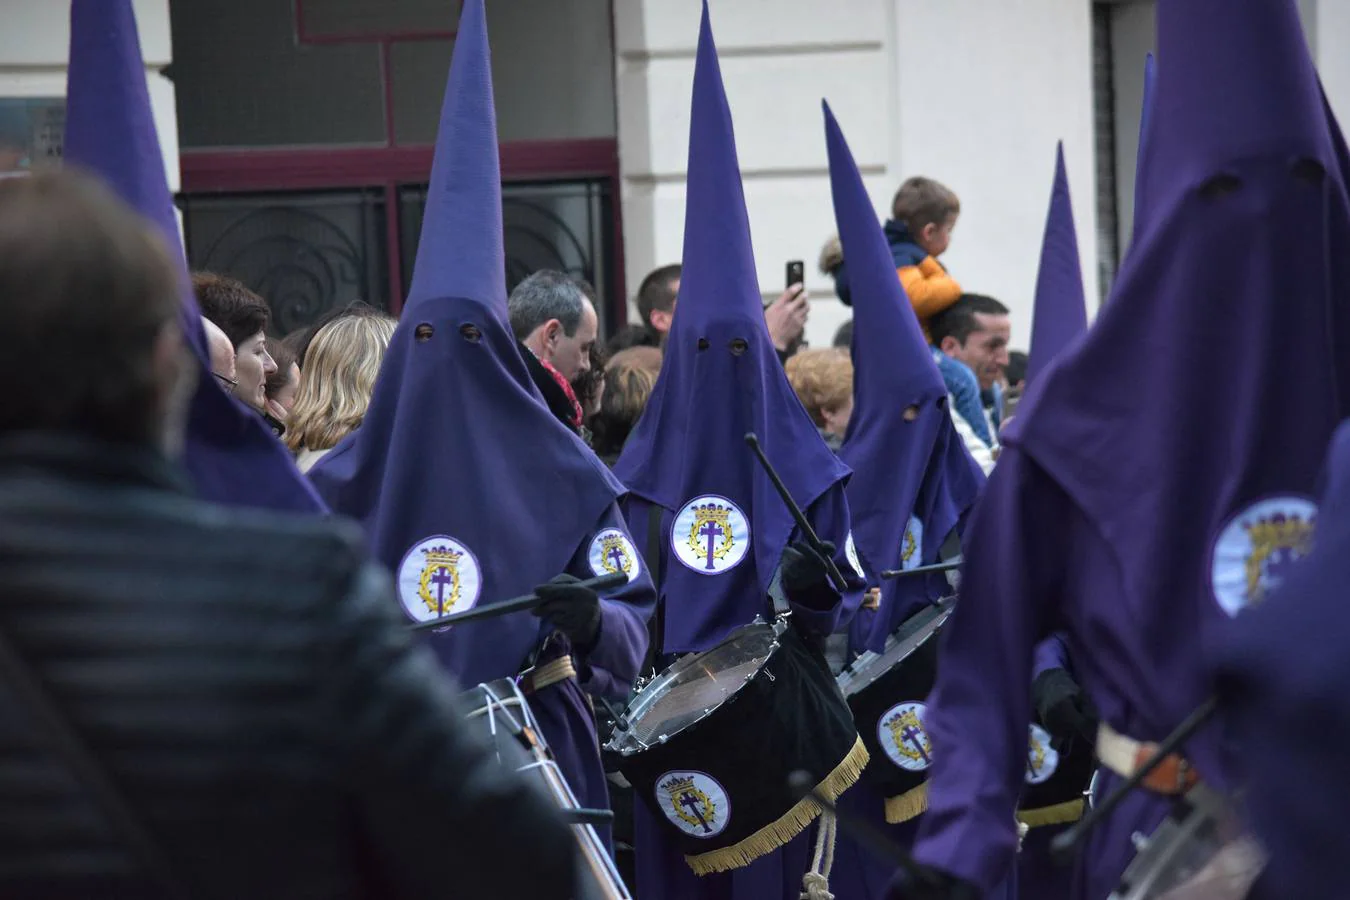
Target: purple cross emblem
[[618, 557], [914, 737], [442, 579], [690, 801], [712, 531]]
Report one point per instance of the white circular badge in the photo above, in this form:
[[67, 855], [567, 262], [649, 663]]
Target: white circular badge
[[710, 535], [902, 735], [694, 803], [851, 552], [611, 552], [437, 577], [1256, 548], [1042, 759], [911, 545]]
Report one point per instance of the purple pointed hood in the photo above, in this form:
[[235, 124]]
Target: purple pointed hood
[[1061, 306], [230, 455], [1188, 426], [721, 378], [913, 481], [458, 468]]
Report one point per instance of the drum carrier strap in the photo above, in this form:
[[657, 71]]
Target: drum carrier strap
[[81, 761]]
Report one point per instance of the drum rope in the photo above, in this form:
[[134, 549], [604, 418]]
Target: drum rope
[[816, 882]]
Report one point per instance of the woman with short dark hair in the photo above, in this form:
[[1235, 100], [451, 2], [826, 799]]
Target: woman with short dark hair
[[244, 317]]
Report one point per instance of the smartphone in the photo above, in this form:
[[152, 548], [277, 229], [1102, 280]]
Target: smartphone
[[796, 272]]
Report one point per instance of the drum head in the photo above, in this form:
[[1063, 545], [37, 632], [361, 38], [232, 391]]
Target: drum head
[[917, 630], [695, 686]]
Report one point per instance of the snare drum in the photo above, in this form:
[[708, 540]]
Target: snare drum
[[711, 742], [1199, 852], [499, 711], [888, 693]]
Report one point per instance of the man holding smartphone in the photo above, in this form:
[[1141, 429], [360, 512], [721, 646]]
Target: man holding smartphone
[[786, 316]]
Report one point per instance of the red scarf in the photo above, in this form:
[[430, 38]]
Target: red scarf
[[567, 389]]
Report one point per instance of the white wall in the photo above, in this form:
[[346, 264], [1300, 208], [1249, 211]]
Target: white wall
[[974, 109], [35, 44], [985, 92]]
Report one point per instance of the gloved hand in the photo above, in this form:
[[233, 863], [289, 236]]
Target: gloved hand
[[1064, 708], [573, 608], [805, 578], [930, 884]]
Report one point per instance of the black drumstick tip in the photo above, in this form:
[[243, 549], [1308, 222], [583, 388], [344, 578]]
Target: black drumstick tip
[[751, 439]]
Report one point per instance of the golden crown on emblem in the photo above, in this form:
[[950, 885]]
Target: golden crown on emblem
[[1280, 530], [442, 556]]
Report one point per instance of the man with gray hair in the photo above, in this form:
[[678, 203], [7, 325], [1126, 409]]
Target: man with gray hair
[[552, 316]]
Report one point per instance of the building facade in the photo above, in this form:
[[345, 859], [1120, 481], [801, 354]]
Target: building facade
[[298, 132]]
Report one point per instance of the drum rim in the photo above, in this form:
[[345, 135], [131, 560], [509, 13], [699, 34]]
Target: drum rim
[[636, 706], [940, 614]]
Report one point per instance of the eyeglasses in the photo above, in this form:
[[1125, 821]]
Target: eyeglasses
[[229, 384]]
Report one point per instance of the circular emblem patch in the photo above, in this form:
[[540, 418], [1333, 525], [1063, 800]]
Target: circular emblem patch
[[901, 734], [611, 551], [1256, 548], [694, 803], [710, 535], [437, 577], [1042, 759], [911, 545], [851, 552]]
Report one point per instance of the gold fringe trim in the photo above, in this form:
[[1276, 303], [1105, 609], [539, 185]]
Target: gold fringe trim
[[1059, 814], [787, 826], [908, 805]]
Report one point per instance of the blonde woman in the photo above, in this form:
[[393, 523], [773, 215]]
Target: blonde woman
[[339, 369], [823, 380]]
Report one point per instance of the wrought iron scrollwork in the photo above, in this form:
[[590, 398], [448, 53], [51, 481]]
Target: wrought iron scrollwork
[[300, 262]]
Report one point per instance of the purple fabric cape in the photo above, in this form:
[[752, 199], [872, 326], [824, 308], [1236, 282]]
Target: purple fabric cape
[[913, 480], [459, 454], [1157, 480], [230, 454], [720, 379]]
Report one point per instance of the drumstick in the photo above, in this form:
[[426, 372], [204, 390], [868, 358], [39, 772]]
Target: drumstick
[[518, 604], [861, 830], [946, 566], [1067, 841], [802, 525]]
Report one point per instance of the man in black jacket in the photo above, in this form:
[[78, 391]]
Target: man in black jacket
[[200, 702]]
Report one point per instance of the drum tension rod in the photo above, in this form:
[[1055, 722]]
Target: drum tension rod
[[1066, 842], [808, 533], [615, 713]]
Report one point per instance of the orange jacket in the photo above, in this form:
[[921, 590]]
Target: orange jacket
[[930, 289]]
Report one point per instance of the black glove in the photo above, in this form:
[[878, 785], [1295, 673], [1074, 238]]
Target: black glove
[[805, 578], [573, 608], [930, 884], [1064, 708]]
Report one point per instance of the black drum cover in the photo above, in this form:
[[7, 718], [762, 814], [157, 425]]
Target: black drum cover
[[1058, 775], [889, 713], [719, 786]]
